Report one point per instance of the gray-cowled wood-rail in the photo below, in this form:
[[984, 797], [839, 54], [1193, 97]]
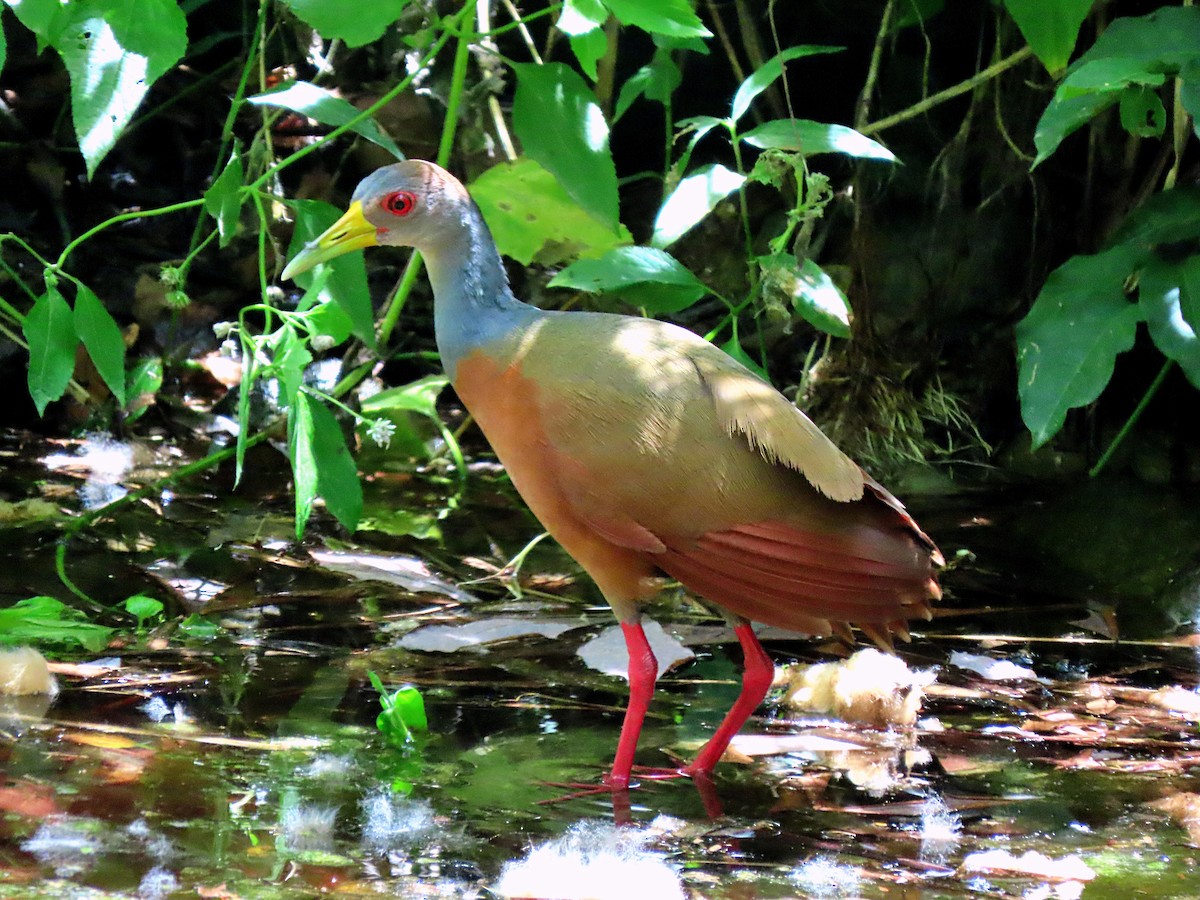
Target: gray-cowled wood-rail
[[643, 449]]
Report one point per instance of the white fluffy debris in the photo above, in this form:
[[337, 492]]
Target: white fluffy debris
[[592, 861], [871, 687], [24, 671], [1177, 700], [992, 669]]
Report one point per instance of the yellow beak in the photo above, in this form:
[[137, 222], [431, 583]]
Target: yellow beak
[[351, 232]]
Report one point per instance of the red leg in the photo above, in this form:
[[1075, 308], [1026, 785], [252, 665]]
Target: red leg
[[643, 672], [757, 676]]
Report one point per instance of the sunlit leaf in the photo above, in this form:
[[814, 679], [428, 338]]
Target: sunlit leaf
[[1051, 28], [668, 285], [142, 382], [45, 620], [693, 198], [578, 17], [342, 280], [589, 49], [1189, 295], [674, 18], [419, 396], [354, 23], [562, 127], [303, 458], [50, 332], [532, 217], [327, 108], [223, 200], [1159, 296], [472, 635], [762, 77], [143, 608], [811, 138], [812, 293], [114, 50], [607, 652], [101, 336], [1068, 343]]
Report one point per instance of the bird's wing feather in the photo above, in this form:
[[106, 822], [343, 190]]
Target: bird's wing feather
[[777, 429]]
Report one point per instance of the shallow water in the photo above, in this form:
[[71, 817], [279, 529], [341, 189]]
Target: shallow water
[[248, 764]]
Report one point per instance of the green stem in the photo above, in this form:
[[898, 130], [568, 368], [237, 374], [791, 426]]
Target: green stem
[[466, 35], [1133, 417], [125, 217], [379, 104]]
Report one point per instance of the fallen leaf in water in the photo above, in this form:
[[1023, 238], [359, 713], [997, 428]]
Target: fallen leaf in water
[[104, 741], [1177, 700], [1002, 862], [450, 638], [1184, 810], [607, 652], [993, 669], [24, 798], [407, 572]]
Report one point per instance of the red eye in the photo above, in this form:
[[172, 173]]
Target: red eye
[[400, 203]]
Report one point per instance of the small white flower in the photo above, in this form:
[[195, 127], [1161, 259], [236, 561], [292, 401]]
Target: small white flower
[[223, 329], [381, 431], [229, 347], [321, 342]]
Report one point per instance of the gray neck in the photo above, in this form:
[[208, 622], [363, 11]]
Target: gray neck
[[473, 304]]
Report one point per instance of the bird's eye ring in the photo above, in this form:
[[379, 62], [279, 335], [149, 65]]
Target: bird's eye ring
[[400, 203]]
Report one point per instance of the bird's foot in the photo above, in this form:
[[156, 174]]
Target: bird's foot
[[619, 789]]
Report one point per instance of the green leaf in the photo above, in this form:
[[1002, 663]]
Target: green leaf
[[354, 23], [289, 359], [532, 217], [342, 280], [579, 17], [761, 78], [337, 475], [3, 44], [142, 382], [561, 126], [419, 396], [811, 138], [674, 18], [1189, 295], [50, 332], [1159, 297], [734, 348], [102, 338], [1165, 218], [644, 276], [45, 620], [403, 713], [1142, 112], [143, 608], [1189, 93], [114, 50], [589, 49], [1143, 50], [325, 107], [657, 80], [1068, 343], [812, 293], [693, 198], [916, 12], [196, 627], [1050, 27], [303, 458], [223, 201], [1065, 115]]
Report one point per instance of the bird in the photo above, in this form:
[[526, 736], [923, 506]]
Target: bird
[[650, 454]]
